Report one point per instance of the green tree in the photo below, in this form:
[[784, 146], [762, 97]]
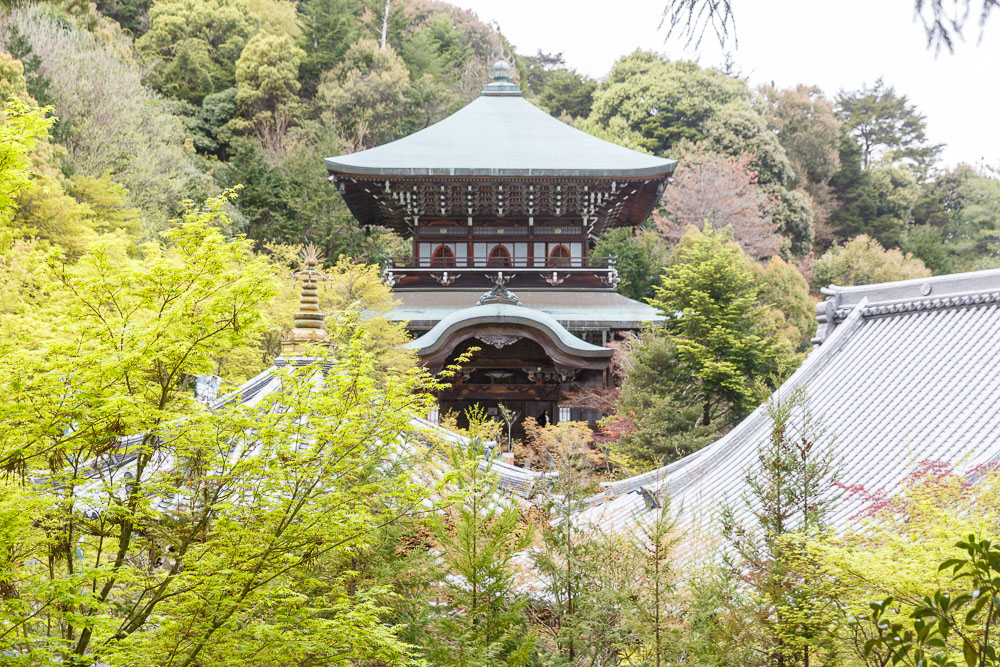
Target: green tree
[[588, 578], [211, 124], [783, 286], [267, 88], [723, 334], [21, 126], [557, 89], [969, 617], [654, 612], [911, 533], [132, 15], [862, 261], [639, 258], [662, 102], [110, 122], [329, 27], [179, 535], [658, 412], [735, 130], [876, 202], [956, 225], [193, 45], [484, 622], [790, 493], [364, 97], [808, 130], [885, 124]]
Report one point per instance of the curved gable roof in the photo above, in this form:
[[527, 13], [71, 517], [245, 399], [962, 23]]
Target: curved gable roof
[[507, 315]]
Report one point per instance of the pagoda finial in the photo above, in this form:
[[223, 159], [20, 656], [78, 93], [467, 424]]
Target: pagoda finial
[[309, 320], [501, 80], [500, 71]]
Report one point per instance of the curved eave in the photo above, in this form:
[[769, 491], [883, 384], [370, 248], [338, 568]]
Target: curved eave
[[515, 317], [341, 170]]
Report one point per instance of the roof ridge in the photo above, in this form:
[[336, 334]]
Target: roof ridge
[[964, 300]]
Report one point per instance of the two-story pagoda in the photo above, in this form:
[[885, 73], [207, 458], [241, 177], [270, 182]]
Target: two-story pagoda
[[499, 198]]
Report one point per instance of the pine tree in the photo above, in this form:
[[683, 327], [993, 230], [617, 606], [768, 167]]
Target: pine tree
[[483, 622], [789, 497], [722, 331]]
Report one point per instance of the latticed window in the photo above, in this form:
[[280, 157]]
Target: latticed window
[[499, 257], [559, 256], [443, 257]]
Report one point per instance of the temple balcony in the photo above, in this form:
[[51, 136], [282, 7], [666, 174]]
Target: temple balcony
[[590, 272]]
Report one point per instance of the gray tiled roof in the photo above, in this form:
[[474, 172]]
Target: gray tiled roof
[[500, 135], [572, 308], [905, 373], [418, 442]]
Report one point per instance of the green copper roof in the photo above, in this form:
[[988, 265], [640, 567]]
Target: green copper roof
[[500, 134]]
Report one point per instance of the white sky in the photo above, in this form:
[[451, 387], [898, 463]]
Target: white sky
[[835, 44]]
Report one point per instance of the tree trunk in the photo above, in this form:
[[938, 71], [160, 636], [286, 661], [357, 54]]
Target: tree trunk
[[385, 23]]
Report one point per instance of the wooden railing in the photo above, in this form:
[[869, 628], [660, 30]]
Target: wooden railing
[[553, 273]]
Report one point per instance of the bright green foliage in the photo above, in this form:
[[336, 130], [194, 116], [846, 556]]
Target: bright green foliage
[[783, 286], [267, 87], [788, 498], [723, 334], [12, 82], [364, 97], [484, 621], [967, 619], [862, 261], [222, 574], [21, 126], [661, 408], [898, 555], [639, 257], [886, 125], [193, 45], [69, 213], [276, 17], [660, 101]]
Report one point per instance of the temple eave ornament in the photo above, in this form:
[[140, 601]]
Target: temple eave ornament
[[499, 295], [498, 341]]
